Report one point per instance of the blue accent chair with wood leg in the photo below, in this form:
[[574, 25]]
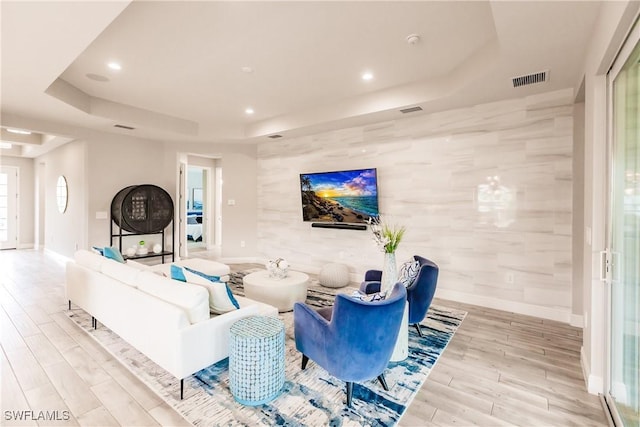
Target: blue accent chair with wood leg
[[353, 340], [419, 293]]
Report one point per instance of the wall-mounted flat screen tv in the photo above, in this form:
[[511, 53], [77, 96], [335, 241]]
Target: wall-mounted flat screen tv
[[349, 196]]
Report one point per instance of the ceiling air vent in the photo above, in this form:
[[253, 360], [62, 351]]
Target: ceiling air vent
[[123, 127], [530, 79], [275, 136], [411, 110]]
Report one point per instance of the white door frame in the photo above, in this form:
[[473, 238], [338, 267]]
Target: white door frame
[[13, 207], [182, 251], [607, 259]]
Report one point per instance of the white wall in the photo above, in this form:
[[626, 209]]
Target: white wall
[[65, 232], [26, 190], [98, 165], [116, 162], [238, 164], [430, 168], [577, 244]]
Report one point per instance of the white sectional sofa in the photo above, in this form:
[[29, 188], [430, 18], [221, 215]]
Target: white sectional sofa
[[164, 319]]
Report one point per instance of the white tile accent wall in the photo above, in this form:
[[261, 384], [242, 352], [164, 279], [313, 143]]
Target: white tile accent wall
[[485, 192]]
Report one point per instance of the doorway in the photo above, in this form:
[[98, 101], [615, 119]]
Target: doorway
[[623, 237], [200, 193], [196, 208], [9, 176]]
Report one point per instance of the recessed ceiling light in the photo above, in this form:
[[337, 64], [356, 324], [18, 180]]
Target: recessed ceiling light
[[19, 131], [247, 70], [249, 110], [367, 76], [6, 145], [114, 66], [413, 39]]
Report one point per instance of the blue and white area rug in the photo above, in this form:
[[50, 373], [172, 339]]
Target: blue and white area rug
[[309, 398]]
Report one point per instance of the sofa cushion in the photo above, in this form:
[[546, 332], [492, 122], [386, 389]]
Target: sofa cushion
[[208, 267], [137, 265], [193, 299], [121, 272], [212, 268], [89, 260], [221, 300]]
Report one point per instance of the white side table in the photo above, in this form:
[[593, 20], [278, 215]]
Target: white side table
[[401, 350]]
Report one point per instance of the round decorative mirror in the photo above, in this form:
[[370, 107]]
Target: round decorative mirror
[[61, 194]]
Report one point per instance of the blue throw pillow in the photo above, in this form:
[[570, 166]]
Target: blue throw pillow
[[113, 253], [221, 300], [98, 250], [206, 276], [177, 274]]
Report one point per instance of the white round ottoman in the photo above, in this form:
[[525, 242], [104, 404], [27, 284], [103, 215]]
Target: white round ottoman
[[280, 293], [334, 275]]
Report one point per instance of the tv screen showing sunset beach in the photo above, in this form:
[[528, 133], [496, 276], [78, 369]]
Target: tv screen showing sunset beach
[[342, 196]]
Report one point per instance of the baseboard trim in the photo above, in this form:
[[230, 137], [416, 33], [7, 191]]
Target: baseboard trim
[[240, 260], [577, 320], [595, 384], [498, 304]]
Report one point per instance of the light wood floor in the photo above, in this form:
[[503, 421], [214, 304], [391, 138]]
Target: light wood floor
[[499, 369]]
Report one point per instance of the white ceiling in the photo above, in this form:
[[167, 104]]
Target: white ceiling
[[182, 77]]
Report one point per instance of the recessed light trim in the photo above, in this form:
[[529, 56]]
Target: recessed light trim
[[19, 131], [413, 39], [249, 111], [114, 66], [367, 76]]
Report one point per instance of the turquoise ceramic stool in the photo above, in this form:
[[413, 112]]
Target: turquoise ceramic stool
[[256, 359]]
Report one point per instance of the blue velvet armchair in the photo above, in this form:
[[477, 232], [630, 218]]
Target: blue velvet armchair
[[419, 293], [353, 340]]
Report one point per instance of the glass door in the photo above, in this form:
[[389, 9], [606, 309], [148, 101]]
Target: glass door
[[623, 255]]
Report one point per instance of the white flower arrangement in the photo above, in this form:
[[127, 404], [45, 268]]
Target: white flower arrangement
[[387, 236], [277, 268]]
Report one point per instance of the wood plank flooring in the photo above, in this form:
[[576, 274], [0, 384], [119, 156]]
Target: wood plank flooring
[[500, 368]]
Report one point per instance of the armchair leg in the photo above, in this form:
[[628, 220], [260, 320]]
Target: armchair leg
[[417, 325], [349, 393], [383, 382], [181, 388], [69, 304], [305, 360]]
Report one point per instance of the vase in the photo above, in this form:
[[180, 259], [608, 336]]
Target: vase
[[389, 273], [277, 272]]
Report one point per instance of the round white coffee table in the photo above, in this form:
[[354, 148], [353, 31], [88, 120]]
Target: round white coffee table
[[280, 293]]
